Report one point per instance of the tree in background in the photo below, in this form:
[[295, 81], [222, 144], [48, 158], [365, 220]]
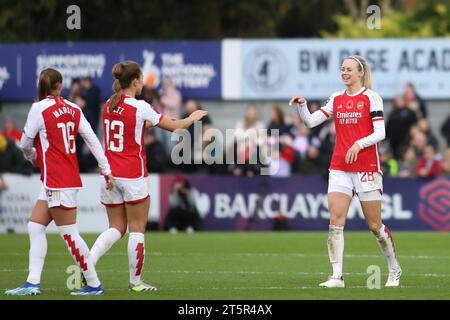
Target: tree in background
[[45, 20], [405, 18]]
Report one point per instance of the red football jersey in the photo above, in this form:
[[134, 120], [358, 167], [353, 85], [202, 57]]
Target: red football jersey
[[353, 117], [124, 137], [53, 123]]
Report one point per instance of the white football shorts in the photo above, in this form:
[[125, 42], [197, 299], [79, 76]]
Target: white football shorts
[[125, 191], [66, 198], [368, 185]]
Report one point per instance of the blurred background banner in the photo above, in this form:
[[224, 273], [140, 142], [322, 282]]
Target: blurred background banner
[[274, 69], [242, 203], [193, 66], [235, 69]]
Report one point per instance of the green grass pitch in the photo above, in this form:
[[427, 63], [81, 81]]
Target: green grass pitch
[[243, 265]]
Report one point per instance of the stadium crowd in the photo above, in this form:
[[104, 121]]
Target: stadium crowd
[[410, 148]]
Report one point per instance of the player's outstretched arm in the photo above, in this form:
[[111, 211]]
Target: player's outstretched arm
[[311, 119], [172, 124]]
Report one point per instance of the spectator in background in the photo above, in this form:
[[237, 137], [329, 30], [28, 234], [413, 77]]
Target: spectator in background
[[407, 163], [418, 140], [398, 125], [327, 138], [277, 121], [414, 102], [91, 93], [202, 139], [424, 126], [12, 159], [245, 142], [428, 166], [75, 94], [157, 160], [183, 213], [301, 136], [151, 96], [312, 163], [192, 106], [445, 130], [10, 131], [389, 165], [74, 90], [171, 99]]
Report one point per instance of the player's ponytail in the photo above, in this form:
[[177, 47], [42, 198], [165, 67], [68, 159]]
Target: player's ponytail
[[365, 67], [48, 83], [124, 73]]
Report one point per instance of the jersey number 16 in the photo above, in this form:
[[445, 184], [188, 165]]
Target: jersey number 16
[[67, 130]]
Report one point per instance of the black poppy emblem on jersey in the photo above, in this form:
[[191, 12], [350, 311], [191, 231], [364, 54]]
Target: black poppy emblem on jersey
[[360, 105], [434, 205], [265, 69], [350, 104]]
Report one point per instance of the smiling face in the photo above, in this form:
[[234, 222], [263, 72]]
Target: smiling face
[[350, 73]]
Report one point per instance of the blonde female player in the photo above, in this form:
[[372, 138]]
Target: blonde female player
[[127, 205], [52, 126], [355, 164]]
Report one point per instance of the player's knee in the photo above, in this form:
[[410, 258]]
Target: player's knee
[[122, 228], [374, 227], [337, 218]]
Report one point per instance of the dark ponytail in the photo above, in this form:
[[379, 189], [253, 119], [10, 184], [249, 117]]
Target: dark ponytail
[[48, 83], [124, 73]]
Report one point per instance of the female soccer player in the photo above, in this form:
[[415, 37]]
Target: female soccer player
[[355, 164], [52, 127], [124, 122]]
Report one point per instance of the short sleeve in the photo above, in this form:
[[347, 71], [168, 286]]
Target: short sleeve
[[147, 113], [34, 122]]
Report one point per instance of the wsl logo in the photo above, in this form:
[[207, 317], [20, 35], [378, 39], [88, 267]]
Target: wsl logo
[[265, 69], [152, 74], [434, 206], [4, 76]]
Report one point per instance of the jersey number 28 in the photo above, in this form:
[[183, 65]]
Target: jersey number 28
[[115, 129]]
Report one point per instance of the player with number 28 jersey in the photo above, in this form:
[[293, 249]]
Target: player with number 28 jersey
[[355, 165]]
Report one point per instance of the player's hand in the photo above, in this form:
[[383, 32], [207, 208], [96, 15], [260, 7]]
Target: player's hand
[[352, 154], [297, 99], [198, 114], [110, 184]]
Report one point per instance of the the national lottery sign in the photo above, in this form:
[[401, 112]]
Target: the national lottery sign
[[193, 66]]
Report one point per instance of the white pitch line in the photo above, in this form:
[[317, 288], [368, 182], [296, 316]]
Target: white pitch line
[[358, 256], [299, 273], [228, 288]]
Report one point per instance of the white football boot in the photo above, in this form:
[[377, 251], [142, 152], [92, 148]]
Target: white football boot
[[333, 283], [394, 277]]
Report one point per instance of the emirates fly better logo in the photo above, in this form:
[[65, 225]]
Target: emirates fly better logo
[[434, 206]]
